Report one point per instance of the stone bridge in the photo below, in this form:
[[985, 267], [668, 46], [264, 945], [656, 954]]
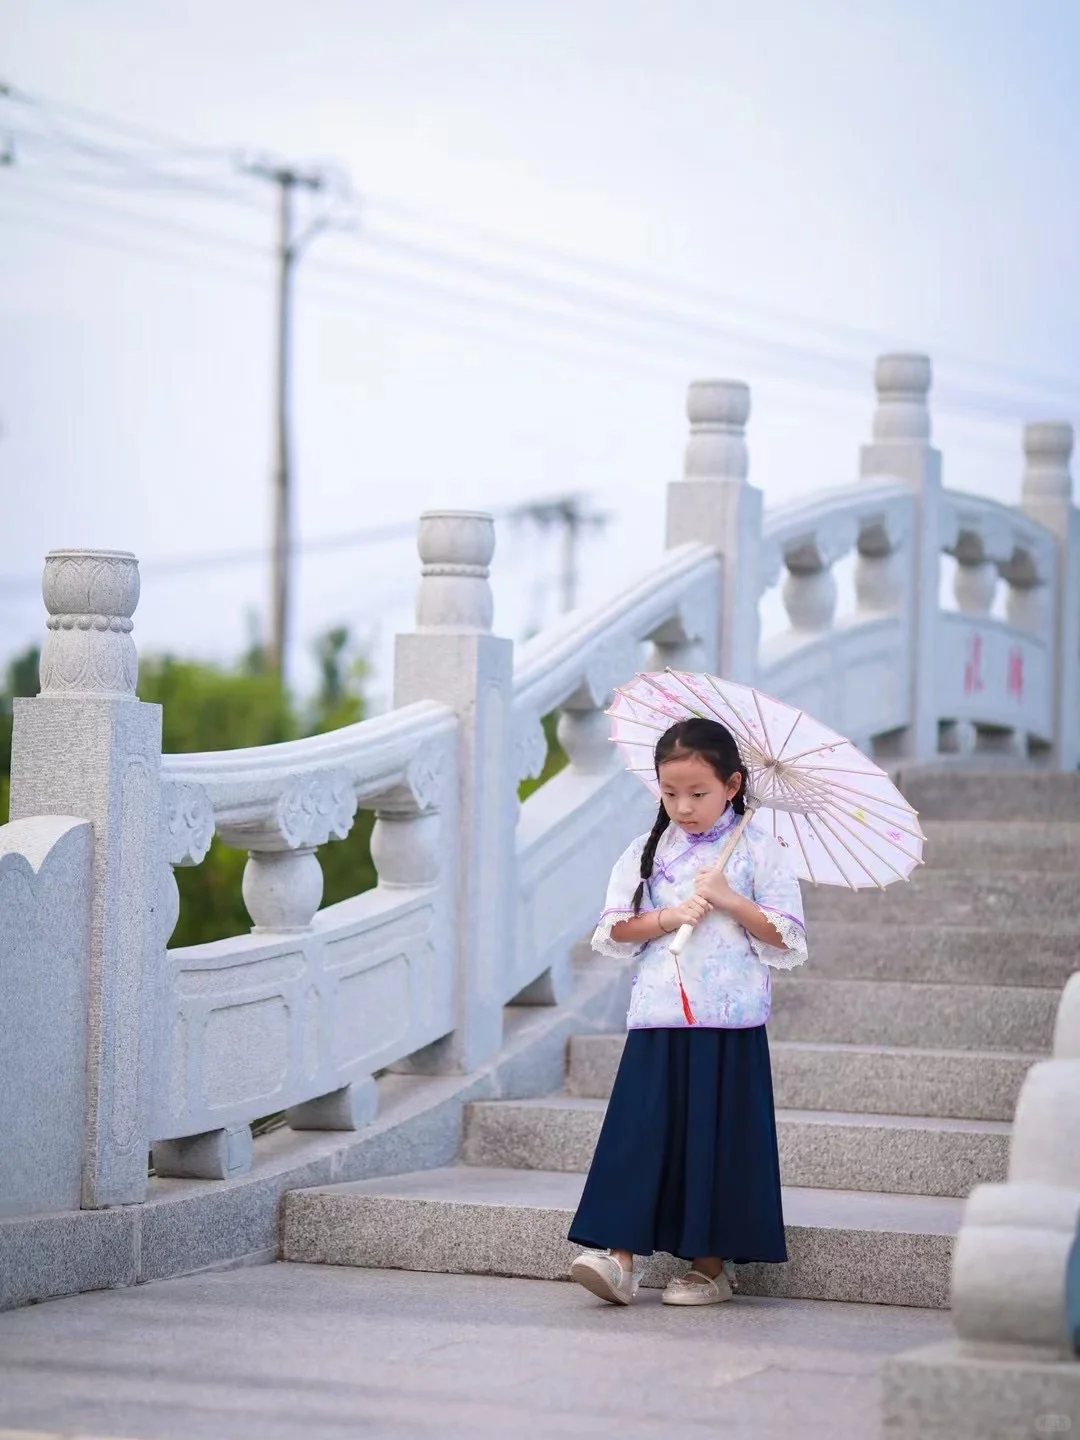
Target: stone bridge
[[441, 1045]]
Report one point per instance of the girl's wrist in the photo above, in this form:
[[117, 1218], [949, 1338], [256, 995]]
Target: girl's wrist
[[660, 920]]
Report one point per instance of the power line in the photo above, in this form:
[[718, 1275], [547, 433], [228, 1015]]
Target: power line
[[698, 295], [570, 515], [600, 270], [163, 567], [662, 355]]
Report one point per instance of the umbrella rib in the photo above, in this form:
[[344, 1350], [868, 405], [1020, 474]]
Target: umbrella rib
[[869, 769], [828, 850], [685, 679], [734, 714], [802, 847], [764, 725], [670, 698], [839, 820], [794, 723], [633, 720], [833, 744], [826, 822], [915, 834], [838, 785], [637, 700], [841, 814]]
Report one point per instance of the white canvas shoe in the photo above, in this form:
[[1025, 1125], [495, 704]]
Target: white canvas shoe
[[603, 1276], [694, 1288]]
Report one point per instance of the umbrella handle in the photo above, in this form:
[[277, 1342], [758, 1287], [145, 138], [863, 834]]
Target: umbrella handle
[[678, 945]]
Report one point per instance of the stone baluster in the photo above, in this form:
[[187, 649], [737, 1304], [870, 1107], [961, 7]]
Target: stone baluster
[[881, 571], [87, 747], [1047, 497], [1028, 601], [282, 889], [809, 589], [283, 880], [714, 504], [975, 580], [453, 657], [901, 450]]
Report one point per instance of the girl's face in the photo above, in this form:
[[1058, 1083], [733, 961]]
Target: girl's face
[[694, 796]]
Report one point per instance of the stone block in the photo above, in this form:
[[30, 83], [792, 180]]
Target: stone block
[[45, 866], [1034, 953], [214, 1155], [868, 1079], [44, 1256], [1001, 795], [986, 898], [888, 1249], [100, 758], [887, 1154], [942, 1393], [593, 1063], [188, 1225], [1036, 844], [900, 1013], [350, 1108], [880, 1080]]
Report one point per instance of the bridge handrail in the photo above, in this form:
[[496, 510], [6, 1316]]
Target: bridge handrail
[[480, 899]]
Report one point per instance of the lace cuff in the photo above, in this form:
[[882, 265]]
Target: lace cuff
[[793, 936], [618, 950]]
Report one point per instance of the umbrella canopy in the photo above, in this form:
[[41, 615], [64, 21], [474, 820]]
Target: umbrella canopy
[[838, 815]]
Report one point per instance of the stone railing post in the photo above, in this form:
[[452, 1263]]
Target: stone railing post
[[901, 450], [87, 747], [713, 504], [1047, 497], [453, 657]]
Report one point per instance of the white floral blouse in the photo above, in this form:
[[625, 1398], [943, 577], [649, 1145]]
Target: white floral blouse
[[725, 970]]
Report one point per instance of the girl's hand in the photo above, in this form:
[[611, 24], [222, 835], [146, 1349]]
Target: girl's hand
[[713, 886], [690, 912]]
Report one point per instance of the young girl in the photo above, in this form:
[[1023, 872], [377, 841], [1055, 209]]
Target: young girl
[[687, 1161]]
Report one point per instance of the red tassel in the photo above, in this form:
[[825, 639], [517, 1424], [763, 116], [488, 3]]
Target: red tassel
[[686, 1010], [686, 1006]]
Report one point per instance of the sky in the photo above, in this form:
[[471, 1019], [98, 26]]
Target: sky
[[807, 185]]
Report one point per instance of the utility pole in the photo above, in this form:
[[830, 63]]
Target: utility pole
[[290, 247], [569, 514]]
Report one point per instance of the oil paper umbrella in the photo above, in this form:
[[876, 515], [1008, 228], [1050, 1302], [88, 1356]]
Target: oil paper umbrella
[[837, 814]]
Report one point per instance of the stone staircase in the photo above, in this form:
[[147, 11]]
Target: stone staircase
[[898, 1054]]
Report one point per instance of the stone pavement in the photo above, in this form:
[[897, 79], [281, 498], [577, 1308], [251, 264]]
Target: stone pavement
[[284, 1352]]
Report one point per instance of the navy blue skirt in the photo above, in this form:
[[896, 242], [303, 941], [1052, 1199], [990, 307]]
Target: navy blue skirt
[[686, 1161]]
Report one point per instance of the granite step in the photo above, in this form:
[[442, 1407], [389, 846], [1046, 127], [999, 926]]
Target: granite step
[[864, 1079], [1015, 898], [1042, 845], [1036, 954], [900, 1013], [1002, 795], [885, 1249], [892, 1154]]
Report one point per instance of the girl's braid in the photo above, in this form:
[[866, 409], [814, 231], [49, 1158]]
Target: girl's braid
[[660, 824]]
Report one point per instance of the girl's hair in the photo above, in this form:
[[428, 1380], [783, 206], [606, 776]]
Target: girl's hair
[[711, 742]]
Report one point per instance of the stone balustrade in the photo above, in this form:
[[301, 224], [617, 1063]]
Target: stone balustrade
[[298, 1015], [853, 675], [571, 827], [480, 898]]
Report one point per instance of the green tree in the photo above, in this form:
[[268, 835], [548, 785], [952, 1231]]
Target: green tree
[[212, 707], [21, 679], [556, 759], [216, 707]]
